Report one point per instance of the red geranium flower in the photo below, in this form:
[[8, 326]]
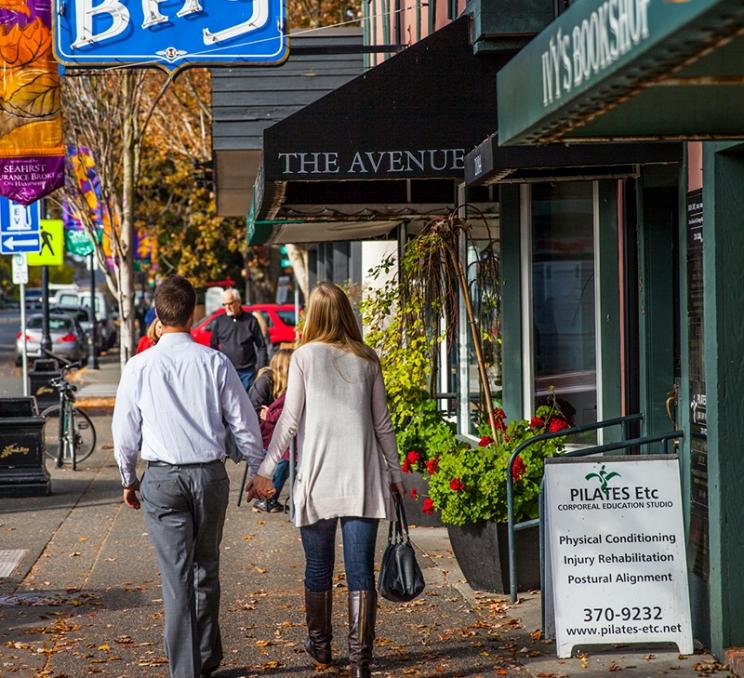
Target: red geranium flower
[[427, 506], [457, 485], [413, 493], [499, 413], [537, 422], [485, 441], [432, 466], [413, 456], [518, 469], [557, 424], [405, 466]]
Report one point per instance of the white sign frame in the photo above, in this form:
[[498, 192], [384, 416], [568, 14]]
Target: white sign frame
[[615, 552]]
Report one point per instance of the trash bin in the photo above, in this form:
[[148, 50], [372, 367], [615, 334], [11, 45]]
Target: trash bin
[[43, 372], [23, 470]]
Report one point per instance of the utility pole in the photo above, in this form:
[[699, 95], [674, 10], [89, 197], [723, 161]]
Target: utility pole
[[94, 326], [46, 338]]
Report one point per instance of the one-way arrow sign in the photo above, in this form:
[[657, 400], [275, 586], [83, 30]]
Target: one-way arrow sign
[[10, 244]]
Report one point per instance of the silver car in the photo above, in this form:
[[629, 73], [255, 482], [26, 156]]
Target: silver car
[[68, 339]]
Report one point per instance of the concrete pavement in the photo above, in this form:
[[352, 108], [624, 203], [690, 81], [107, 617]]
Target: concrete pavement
[[85, 599]]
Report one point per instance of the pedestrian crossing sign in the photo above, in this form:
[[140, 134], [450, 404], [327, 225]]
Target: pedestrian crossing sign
[[52, 245]]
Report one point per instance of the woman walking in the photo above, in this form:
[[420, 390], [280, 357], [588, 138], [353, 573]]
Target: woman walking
[[348, 468]]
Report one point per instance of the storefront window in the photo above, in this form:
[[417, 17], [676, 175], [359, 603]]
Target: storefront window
[[564, 335]]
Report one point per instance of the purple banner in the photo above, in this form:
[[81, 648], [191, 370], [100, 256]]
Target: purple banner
[[31, 140]]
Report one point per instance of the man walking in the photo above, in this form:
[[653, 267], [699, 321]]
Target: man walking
[[238, 335], [172, 404]]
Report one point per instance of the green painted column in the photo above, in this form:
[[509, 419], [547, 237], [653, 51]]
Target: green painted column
[[657, 215], [723, 254], [511, 301], [608, 305]]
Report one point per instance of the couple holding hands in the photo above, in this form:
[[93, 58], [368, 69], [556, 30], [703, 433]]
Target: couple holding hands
[[174, 405]]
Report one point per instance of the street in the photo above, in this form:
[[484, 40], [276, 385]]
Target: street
[[10, 375]]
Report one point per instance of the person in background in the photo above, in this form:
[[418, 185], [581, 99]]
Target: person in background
[[173, 405], [238, 335], [269, 408], [348, 468], [154, 331], [264, 332]]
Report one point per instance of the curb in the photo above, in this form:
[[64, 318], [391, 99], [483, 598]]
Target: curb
[[96, 406]]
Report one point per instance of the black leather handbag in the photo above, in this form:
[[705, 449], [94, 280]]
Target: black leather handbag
[[400, 575]]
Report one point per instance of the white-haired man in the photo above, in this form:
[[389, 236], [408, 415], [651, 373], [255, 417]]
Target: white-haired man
[[238, 335]]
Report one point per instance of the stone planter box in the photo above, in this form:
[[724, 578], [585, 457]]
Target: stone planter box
[[482, 551], [413, 507]]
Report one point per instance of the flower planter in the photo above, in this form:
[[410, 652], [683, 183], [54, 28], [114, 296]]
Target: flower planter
[[419, 482], [482, 551]]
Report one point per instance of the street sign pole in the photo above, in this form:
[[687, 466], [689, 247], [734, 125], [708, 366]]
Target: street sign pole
[[20, 277], [24, 351]]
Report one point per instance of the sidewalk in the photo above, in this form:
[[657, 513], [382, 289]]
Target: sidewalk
[[85, 599], [97, 388]]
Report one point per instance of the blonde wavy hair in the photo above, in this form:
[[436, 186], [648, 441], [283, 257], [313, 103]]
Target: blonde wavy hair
[[280, 369], [330, 320]]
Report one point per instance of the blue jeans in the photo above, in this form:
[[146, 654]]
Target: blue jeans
[[319, 542], [246, 377], [280, 476]]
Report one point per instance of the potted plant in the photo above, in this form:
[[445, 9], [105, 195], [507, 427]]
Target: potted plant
[[425, 437], [469, 488]]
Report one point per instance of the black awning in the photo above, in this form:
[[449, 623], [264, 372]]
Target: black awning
[[490, 163], [413, 117]]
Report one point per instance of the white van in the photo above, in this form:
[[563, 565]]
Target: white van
[[105, 314]]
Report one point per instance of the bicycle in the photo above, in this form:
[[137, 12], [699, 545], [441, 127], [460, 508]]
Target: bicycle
[[73, 437]]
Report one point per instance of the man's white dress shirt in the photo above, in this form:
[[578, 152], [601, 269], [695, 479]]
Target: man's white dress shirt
[[173, 403]]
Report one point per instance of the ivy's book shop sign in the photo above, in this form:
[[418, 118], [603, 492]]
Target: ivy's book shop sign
[[615, 569], [169, 34]]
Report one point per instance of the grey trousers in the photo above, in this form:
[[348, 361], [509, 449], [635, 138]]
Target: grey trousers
[[185, 513]]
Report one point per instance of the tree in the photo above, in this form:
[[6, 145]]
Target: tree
[[108, 113], [176, 202]]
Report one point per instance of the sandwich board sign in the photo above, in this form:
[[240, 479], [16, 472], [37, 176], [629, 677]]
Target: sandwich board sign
[[616, 567], [170, 35]]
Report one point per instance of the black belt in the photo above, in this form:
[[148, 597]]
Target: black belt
[[198, 463]]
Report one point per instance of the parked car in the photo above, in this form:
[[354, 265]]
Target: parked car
[[280, 319], [105, 315], [84, 317], [69, 341]]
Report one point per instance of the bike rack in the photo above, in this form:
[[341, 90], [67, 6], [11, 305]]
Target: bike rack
[[513, 527]]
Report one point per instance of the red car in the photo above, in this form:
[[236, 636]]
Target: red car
[[279, 317]]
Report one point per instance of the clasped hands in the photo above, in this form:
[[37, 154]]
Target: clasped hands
[[261, 488]]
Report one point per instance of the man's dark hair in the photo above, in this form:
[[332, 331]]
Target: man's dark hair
[[175, 299]]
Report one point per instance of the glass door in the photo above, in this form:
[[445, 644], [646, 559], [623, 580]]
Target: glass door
[[560, 315]]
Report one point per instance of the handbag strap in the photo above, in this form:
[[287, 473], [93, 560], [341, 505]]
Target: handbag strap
[[402, 520]]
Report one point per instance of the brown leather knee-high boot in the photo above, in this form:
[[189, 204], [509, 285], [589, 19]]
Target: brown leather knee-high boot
[[362, 617], [318, 608]]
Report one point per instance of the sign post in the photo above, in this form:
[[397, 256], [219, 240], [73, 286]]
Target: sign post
[[20, 277], [615, 552]]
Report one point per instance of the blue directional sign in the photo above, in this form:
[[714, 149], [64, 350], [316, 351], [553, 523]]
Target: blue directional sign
[[13, 243], [169, 33]]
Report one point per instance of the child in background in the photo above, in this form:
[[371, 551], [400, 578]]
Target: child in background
[[267, 396]]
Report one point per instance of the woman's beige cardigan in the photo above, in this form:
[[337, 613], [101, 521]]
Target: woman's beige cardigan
[[337, 408]]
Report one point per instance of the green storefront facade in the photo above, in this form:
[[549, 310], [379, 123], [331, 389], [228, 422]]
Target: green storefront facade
[[668, 246]]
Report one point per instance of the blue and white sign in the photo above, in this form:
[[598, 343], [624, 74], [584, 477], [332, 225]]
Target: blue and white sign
[[12, 243], [169, 33], [19, 227]]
